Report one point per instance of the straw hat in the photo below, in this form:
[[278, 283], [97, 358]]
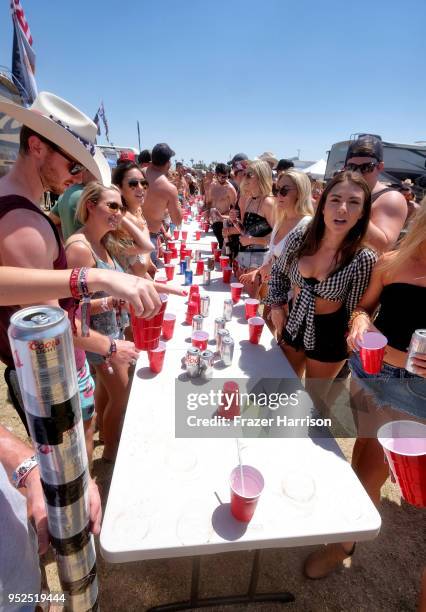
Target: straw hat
[[268, 157], [66, 126]]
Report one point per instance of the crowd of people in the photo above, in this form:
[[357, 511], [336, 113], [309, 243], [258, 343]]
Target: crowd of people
[[329, 262]]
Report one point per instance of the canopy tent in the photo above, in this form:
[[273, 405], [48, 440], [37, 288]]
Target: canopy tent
[[317, 170]]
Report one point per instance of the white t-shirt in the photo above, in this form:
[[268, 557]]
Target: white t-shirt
[[19, 560], [275, 250]]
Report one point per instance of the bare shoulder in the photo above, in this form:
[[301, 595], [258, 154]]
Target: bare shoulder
[[391, 201], [268, 202], [78, 251], [24, 218]]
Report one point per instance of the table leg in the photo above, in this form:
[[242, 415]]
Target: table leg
[[250, 597]]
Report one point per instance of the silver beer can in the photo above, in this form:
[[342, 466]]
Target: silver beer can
[[227, 350], [206, 276], [221, 334], [192, 361], [206, 364], [188, 262], [227, 309], [205, 305], [210, 263], [417, 345], [219, 323], [197, 322], [197, 255]]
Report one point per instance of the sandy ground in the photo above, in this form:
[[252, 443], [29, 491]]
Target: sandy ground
[[384, 574]]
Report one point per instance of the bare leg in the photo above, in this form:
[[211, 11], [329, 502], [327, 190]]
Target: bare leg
[[319, 379], [101, 400], [296, 359]]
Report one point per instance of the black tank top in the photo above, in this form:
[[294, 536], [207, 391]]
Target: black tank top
[[402, 311]]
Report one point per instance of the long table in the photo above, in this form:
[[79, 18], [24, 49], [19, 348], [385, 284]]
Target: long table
[[169, 497]]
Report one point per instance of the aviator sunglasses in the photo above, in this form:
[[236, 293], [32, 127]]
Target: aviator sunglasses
[[133, 183], [285, 190], [114, 206], [363, 168], [74, 167]]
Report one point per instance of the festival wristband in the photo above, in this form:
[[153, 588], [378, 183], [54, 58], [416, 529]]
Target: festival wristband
[[20, 474]]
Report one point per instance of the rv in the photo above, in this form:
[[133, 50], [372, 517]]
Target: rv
[[9, 128]]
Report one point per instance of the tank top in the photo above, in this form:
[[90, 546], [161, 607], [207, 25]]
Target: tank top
[[257, 226], [7, 204]]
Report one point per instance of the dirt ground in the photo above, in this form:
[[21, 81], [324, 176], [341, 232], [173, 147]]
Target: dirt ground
[[384, 574]]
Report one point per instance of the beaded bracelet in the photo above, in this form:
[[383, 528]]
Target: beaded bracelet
[[20, 474], [111, 351], [79, 289]]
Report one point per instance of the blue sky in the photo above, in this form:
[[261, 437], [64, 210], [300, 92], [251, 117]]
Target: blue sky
[[216, 78]]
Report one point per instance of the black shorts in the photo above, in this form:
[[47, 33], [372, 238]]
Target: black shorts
[[330, 337]]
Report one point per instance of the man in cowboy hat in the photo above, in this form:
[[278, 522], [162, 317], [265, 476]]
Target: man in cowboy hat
[[269, 158]]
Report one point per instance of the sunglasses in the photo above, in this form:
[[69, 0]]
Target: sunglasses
[[114, 206], [363, 168], [285, 190], [133, 183], [74, 167]]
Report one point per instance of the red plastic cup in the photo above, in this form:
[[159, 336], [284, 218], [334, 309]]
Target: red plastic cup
[[217, 253], [176, 234], [156, 357], [168, 325], [224, 261], [255, 329], [226, 274], [168, 256], [174, 254], [236, 289], [213, 246], [251, 306], [404, 443], [170, 271], [182, 245], [193, 290], [197, 235], [371, 352], [160, 278], [199, 339], [184, 234], [230, 403], [246, 487], [200, 267], [147, 332], [188, 252], [193, 309]]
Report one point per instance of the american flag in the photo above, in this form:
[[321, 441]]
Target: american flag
[[101, 115], [23, 56]]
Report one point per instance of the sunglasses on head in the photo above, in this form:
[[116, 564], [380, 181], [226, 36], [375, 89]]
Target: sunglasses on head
[[133, 183], [363, 168], [115, 206], [74, 167], [285, 190]]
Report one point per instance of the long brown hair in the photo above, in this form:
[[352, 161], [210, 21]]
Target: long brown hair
[[353, 240]]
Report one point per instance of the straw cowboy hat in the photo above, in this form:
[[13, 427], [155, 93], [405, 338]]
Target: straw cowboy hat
[[268, 157], [66, 126]]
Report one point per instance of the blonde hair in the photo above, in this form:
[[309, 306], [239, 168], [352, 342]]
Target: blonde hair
[[263, 174], [91, 193], [411, 243], [303, 206]]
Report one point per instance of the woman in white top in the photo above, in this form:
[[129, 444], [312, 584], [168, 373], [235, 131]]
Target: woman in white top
[[293, 207]]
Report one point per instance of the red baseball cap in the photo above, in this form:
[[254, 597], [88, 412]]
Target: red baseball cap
[[126, 156]]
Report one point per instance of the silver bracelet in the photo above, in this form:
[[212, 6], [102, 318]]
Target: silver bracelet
[[20, 474]]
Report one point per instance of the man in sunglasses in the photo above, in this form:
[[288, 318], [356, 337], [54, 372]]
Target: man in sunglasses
[[221, 197], [389, 208]]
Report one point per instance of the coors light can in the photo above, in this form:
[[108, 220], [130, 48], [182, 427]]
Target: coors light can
[[192, 361], [221, 334], [417, 345], [206, 277], [43, 352], [227, 309], [197, 322], [206, 364], [227, 350], [204, 305]]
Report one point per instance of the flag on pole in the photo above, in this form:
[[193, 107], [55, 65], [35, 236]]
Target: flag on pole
[[23, 56], [100, 114], [139, 136]]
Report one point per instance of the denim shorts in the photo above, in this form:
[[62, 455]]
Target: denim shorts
[[86, 391], [393, 387], [96, 359]]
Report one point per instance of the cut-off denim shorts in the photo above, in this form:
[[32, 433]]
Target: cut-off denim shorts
[[394, 387]]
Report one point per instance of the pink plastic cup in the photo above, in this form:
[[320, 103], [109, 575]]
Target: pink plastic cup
[[226, 274], [168, 256], [217, 254], [255, 329], [224, 261], [404, 443], [156, 357], [200, 267], [147, 332], [168, 325], [199, 339], [236, 289], [246, 487], [184, 234], [213, 246], [371, 352], [170, 271], [251, 306]]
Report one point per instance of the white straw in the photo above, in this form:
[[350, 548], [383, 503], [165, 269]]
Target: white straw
[[241, 466]]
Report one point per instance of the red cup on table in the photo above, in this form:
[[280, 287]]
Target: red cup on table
[[229, 407], [213, 246], [176, 234], [184, 234], [170, 271], [251, 306], [255, 329], [247, 484], [197, 235], [217, 253], [160, 278], [188, 252], [168, 325], [147, 332], [224, 261], [156, 357], [192, 309], [199, 339], [236, 289], [168, 256], [200, 267], [404, 444], [193, 290], [226, 274], [372, 351]]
